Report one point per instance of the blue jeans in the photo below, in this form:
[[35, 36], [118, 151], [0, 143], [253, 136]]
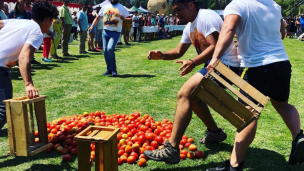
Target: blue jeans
[[6, 92], [110, 39]]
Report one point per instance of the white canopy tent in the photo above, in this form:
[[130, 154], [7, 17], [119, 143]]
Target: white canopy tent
[[106, 2], [141, 8]]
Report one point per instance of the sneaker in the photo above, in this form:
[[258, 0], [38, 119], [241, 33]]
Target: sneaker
[[55, 57], [46, 60], [168, 154], [114, 73], [119, 43], [107, 72], [128, 43], [66, 54], [297, 150], [227, 167], [84, 52], [213, 137]]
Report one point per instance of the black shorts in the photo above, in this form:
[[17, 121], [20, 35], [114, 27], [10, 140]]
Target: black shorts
[[272, 80]]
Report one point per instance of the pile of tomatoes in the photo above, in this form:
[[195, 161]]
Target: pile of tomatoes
[[137, 134]]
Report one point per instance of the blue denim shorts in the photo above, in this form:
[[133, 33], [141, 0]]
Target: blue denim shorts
[[98, 35], [93, 30]]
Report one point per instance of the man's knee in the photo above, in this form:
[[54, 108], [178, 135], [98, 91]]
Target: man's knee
[[277, 104]]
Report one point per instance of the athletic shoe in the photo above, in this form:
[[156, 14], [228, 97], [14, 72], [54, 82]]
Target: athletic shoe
[[107, 73], [297, 150], [66, 54], [119, 43], [128, 43], [213, 137], [227, 167], [46, 60], [168, 154], [114, 74]]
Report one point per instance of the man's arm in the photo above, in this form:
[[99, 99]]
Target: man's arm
[[175, 53], [188, 65], [25, 69], [63, 24], [282, 29], [96, 20], [230, 24]]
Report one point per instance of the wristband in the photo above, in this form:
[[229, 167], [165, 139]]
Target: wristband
[[192, 62]]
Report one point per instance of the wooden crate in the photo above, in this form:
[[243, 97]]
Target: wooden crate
[[21, 131], [225, 104], [106, 156]]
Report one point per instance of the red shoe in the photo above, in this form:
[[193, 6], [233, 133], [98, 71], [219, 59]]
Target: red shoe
[[96, 49]]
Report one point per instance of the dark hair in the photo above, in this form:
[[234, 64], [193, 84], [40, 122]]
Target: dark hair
[[42, 10], [16, 10]]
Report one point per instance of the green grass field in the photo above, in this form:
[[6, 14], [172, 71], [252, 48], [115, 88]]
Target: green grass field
[[76, 85]]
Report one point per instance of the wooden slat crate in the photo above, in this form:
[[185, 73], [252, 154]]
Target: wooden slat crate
[[20, 131], [106, 156], [225, 104]]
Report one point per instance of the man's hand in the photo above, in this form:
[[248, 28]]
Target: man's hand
[[122, 17], [212, 63], [155, 55], [187, 66], [31, 91], [90, 29]]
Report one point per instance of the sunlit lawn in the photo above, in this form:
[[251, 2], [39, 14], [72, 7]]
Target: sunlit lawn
[[76, 85]]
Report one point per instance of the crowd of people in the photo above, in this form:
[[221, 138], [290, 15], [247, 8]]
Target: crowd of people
[[294, 26]]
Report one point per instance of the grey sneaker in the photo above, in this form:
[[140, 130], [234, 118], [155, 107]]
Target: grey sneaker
[[213, 137], [297, 150], [168, 154]]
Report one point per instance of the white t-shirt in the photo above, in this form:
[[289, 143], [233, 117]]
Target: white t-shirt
[[111, 16], [14, 35], [207, 22], [135, 18], [258, 34]]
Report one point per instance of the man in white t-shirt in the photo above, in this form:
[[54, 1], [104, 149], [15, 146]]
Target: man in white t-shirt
[[19, 39], [268, 69], [113, 16], [202, 31]]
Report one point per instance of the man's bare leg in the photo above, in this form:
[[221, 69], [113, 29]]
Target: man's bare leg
[[184, 108], [290, 116]]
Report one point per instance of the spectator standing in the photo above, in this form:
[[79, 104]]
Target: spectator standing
[[298, 25], [98, 35], [161, 20], [153, 21], [82, 27], [29, 34], [28, 6], [75, 24], [19, 12], [292, 27], [141, 24], [93, 31], [127, 31], [135, 20], [6, 11], [47, 40], [113, 15], [148, 21], [57, 26], [67, 22], [302, 23], [2, 14]]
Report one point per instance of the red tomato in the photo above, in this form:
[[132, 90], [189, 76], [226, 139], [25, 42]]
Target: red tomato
[[150, 136], [157, 131], [199, 154], [182, 156], [36, 133], [54, 130], [120, 161], [131, 160], [159, 139], [142, 162], [120, 152], [185, 152], [93, 146], [134, 154], [185, 137], [187, 145], [154, 144], [141, 138], [66, 157], [183, 141], [190, 140]]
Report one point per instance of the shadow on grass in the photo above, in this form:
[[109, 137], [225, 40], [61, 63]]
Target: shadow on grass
[[3, 133], [15, 161], [45, 66], [256, 159], [135, 76]]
